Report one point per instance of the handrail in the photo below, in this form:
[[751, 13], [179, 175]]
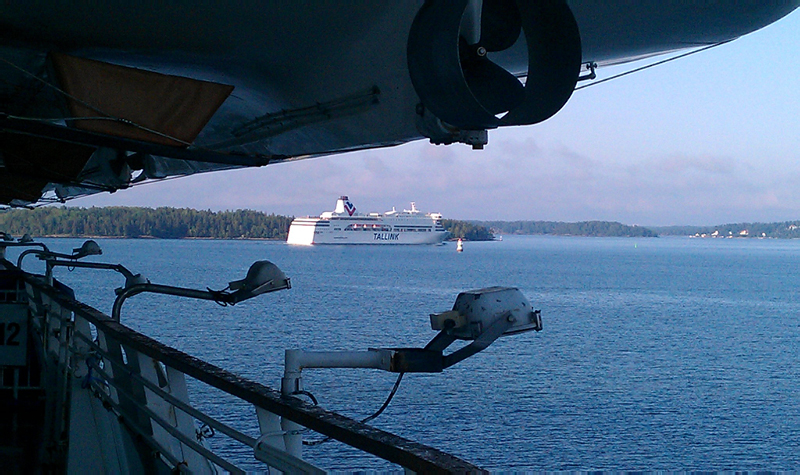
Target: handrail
[[206, 419], [390, 447], [172, 431], [140, 432], [277, 458]]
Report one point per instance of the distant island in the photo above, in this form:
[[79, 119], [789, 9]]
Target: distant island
[[183, 223], [556, 228], [133, 222], [466, 230], [776, 230]]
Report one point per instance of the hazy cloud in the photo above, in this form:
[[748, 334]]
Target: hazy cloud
[[530, 181]]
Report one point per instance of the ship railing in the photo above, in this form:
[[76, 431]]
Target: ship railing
[[128, 404]]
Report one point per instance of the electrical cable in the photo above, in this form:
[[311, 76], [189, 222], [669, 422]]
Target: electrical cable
[[388, 400], [309, 395], [366, 419]]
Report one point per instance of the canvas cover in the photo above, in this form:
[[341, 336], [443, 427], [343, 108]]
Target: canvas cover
[[172, 105]]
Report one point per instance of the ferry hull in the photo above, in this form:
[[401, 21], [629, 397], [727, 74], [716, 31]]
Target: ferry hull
[[344, 226], [309, 234]]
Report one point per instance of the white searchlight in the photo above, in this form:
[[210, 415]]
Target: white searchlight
[[481, 315], [477, 310], [262, 277]]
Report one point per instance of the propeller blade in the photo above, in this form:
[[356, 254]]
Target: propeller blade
[[501, 24], [554, 60], [496, 89], [434, 64], [457, 82]]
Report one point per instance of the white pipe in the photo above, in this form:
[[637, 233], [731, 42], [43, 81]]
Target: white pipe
[[296, 360]]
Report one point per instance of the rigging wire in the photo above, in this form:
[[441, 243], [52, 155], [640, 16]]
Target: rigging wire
[[657, 63]]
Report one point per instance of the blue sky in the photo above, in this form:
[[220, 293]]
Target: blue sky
[[709, 139]]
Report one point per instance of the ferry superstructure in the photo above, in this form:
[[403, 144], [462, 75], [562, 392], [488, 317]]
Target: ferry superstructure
[[344, 226]]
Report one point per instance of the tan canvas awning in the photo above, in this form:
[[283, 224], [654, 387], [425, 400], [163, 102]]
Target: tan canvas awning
[[174, 106]]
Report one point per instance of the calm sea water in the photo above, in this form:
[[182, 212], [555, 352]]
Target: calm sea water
[[668, 354]]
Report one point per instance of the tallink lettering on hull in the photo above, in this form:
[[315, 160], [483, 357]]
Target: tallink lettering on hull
[[386, 236]]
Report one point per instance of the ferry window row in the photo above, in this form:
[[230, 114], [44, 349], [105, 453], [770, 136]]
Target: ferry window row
[[368, 227]]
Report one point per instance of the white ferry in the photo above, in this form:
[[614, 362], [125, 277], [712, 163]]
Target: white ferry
[[344, 226]]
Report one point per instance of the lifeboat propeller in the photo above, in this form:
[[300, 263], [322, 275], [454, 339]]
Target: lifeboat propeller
[[457, 81]]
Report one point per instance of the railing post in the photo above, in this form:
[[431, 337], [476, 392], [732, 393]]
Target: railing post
[[168, 381], [195, 462], [293, 437], [126, 452], [150, 370], [91, 442], [270, 447], [269, 425], [129, 406]]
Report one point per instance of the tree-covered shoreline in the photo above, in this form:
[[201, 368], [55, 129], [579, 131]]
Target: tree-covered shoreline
[[558, 228], [134, 222], [185, 223], [467, 230]]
